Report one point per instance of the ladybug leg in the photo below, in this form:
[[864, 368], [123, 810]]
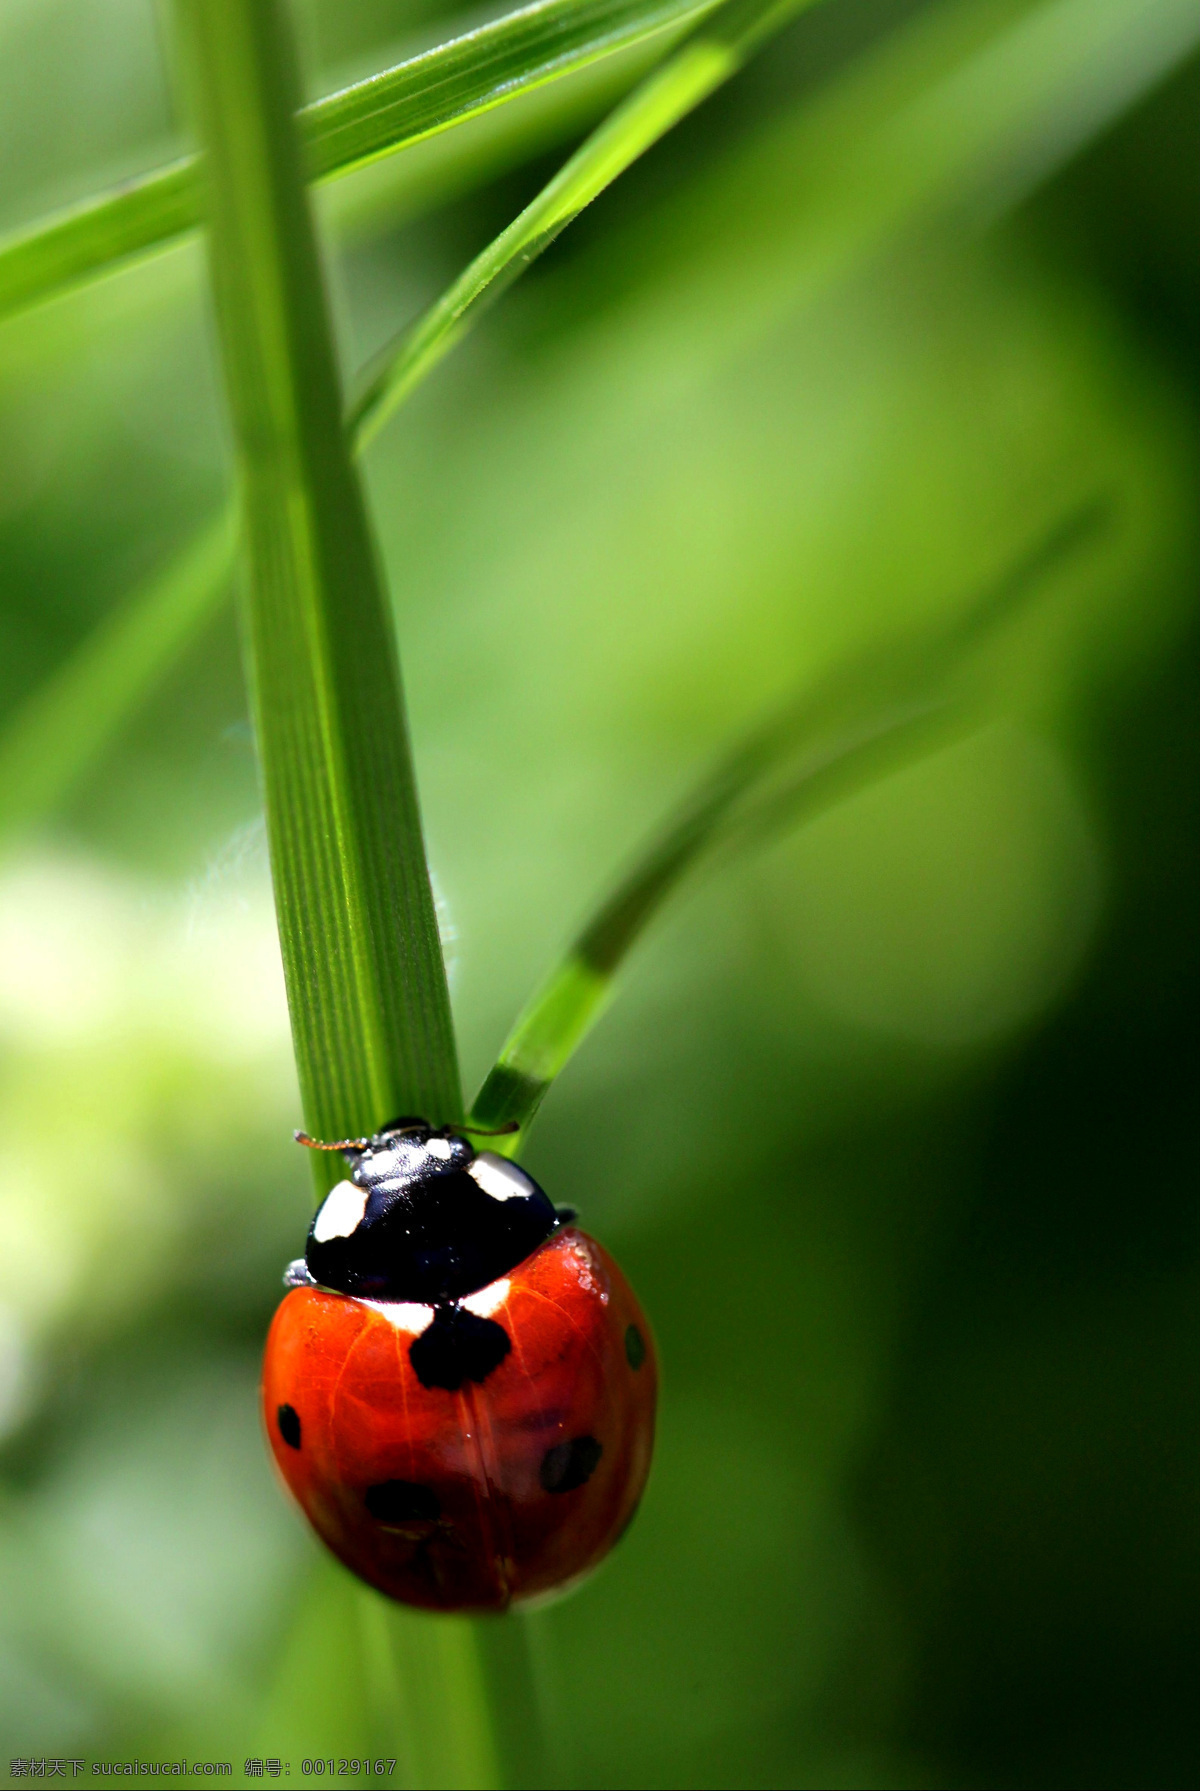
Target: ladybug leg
[[342, 1144], [430, 1545], [427, 1555]]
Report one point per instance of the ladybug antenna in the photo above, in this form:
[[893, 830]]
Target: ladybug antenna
[[338, 1144], [514, 1125]]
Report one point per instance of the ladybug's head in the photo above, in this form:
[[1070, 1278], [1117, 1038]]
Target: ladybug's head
[[424, 1217]]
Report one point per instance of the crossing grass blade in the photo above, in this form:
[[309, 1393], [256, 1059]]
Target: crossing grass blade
[[432, 92], [870, 714], [81, 687], [481, 69], [67, 722], [362, 959], [1033, 94], [708, 58], [1061, 74], [82, 240]]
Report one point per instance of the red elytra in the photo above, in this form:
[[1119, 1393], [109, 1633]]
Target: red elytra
[[499, 1491]]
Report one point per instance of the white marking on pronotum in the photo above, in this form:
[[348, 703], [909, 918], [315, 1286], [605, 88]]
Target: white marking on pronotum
[[403, 1315], [342, 1212], [585, 1269], [489, 1299], [503, 1181], [440, 1147]]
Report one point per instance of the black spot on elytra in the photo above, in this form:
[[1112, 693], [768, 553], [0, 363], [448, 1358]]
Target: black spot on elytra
[[402, 1502], [458, 1346], [288, 1420], [569, 1465], [635, 1346]]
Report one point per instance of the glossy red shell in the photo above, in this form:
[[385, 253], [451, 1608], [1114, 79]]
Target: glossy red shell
[[582, 1365]]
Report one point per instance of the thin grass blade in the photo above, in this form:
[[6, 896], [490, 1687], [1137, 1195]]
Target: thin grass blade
[[870, 714], [68, 721], [82, 240], [362, 959], [477, 71], [1029, 104], [658, 104], [1042, 102], [432, 92], [708, 58]]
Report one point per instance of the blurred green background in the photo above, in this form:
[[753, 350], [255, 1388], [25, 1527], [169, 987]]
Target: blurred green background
[[892, 1124]]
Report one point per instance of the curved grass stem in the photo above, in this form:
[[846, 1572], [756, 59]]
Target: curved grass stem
[[1041, 102], [62, 728], [706, 60], [867, 716], [66, 722], [380, 116]]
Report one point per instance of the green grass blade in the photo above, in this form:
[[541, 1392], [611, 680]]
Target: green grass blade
[[881, 707], [482, 69], [84, 239], [1029, 103], [438, 1670], [67, 722], [702, 64], [428, 93], [366, 983], [658, 104]]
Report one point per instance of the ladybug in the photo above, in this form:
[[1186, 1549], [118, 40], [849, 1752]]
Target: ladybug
[[459, 1387]]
